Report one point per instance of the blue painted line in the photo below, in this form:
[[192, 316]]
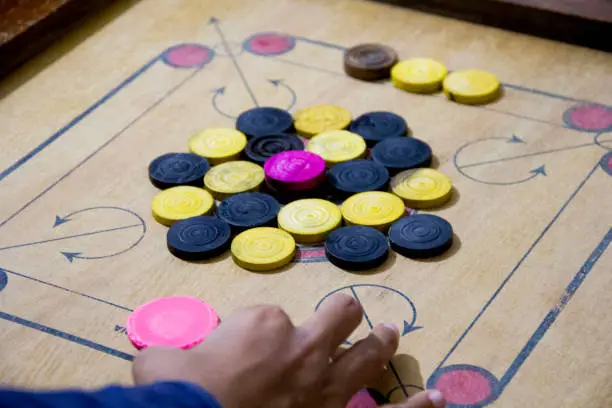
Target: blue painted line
[[302, 65], [67, 336], [85, 234], [216, 107], [543, 93], [77, 119], [287, 87], [550, 318], [365, 314], [105, 144], [517, 266], [321, 43], [215, 23], [391, 366], [534, 173], [522, 156], [519, 116], [398, 379], [66, 289], [399, 387]]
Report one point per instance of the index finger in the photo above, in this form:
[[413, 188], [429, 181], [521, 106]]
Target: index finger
[[334, 321]]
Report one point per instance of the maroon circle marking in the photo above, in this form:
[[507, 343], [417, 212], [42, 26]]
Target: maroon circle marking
[[591, 118], [269, 44], [464, 387], [188, 56]]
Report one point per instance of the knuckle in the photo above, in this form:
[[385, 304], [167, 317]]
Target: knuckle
[[371, 357], [347, 302], [274, 317]]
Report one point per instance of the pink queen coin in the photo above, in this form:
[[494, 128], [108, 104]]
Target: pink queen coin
[[176, 321], [294, 170]]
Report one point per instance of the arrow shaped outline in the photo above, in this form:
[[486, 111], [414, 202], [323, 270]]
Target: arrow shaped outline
[[216, 93]]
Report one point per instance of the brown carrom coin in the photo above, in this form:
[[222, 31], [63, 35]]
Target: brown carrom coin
[[369, 62]]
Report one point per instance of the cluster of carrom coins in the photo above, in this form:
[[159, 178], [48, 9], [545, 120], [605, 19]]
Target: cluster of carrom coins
[[278, 180], [374, 62], [320, 176]]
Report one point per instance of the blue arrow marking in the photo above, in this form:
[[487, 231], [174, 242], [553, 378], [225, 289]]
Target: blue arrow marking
[[409, 328], [3, 280], [515, 139], [216, 93], [522, 156], [540, 170], [60, 220], [279, 82], [71, 255], [85, 234], [215, 22]]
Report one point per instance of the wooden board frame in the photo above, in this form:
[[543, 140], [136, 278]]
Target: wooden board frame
[[27, 28], [587, 23]]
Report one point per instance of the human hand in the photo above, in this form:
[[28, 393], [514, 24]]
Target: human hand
[[258, 358]]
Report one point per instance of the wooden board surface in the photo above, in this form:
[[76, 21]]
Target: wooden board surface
[[583, 22], [27, 27], [519, 305]]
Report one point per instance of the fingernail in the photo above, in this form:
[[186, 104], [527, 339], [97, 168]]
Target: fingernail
[[436, 398], [392, 327]]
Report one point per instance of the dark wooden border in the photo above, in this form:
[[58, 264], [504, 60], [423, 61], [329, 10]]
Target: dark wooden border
[[581, 22], [43, 25]]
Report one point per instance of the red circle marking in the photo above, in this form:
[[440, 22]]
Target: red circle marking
[[592, 117], [464, 387], [362, 400], [177, 321], [269, 44], [188, 56]]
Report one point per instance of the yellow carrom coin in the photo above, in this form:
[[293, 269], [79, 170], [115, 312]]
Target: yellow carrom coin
[[373, 209], [218, 145], [309, 220], [234, 177], [181, 202], [421, 75], [337, 146], [471, 87], [321, 118], [422, 188], [263, 249]]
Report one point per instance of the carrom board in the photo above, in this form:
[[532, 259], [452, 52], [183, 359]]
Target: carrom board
[[518, 307]]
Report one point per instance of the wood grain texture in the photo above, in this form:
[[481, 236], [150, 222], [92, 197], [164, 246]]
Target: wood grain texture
[[587, 23], [29, 26], [78, 134]]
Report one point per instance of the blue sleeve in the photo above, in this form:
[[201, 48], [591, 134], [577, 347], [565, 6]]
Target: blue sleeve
[[158, 395]]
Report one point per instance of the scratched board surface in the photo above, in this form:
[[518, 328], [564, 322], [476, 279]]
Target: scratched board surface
[[519, 306]]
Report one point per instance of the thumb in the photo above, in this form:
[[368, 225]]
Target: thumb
[[424, 399]]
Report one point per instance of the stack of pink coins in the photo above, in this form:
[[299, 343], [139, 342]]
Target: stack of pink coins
[[294, 171]]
